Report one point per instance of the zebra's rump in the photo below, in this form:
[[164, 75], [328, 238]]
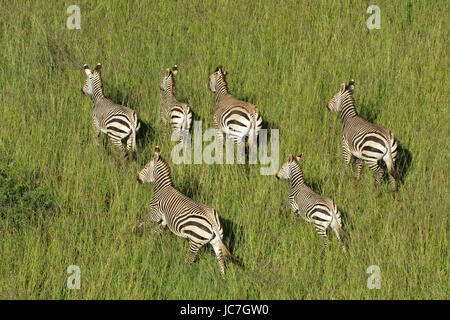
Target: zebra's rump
[[311, 206], [118, 125], [237, 121], [180, 117], [115, 119], [370, 146], [195, 227], [320, 213]]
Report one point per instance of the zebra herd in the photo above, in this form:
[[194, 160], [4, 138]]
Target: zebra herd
[[199, 223]]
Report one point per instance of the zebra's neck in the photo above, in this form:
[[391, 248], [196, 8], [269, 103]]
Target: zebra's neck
[[169, 92], [296, 176], [348, 110], [97, 90], [162, 178], [221, 89]]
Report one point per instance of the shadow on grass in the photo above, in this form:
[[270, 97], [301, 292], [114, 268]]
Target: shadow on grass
[[230, 230], [347, 226], [403, 162], [144, 136]]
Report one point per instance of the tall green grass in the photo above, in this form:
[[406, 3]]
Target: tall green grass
[[64, 201]]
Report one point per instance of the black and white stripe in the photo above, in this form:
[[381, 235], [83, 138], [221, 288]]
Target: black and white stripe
[[367, 142], [185, 217], [319, 210], [178, 114], [116, 121], [234, 117]]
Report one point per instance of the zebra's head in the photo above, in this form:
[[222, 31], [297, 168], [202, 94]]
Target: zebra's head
[[335, 104], [287, 168], [93, 80], [154, 169], [214, 78], [169, 78]]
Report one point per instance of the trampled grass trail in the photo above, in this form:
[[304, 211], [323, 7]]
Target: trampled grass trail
[[65, 201]]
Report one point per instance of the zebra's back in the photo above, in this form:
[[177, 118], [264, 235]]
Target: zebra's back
[[106, 111], [188, 218], [309, 203], [368, 141]]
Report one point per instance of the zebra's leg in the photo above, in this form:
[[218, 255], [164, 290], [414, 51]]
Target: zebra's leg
[[96, 133], [359, 166], [337, 231], [393, 183], [284, 203], [346, 154], [216, 245], [143, 219], [117, 141], [240, 151], [160, 228], [193, 249], [323, 233], [219, 137], [373, 165], [392, 174], [130, 142], [131, 145], [176, 134]]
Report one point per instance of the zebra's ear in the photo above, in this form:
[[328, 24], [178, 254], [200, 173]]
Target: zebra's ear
[[289, 158], [225, 73], [219, 67], [351, 85], [98, 67], [299, 157], [157, 154], [342, 88], [175, 70], [87, 70], [167, 73]]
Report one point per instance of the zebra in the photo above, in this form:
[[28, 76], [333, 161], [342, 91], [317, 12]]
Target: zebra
[[185, 217], [367, 142], [116, 121], [234, 117], [319, 210], [178, 114]]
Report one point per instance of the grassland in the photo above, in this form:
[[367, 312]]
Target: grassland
[[65, 201]]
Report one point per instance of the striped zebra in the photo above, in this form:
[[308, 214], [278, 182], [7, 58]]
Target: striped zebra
[[367, 142], [116, 121], [234, 117], [178, 114], [319, 210], [184, 217]]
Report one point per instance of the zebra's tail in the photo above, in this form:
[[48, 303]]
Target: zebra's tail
[[252, 132], [337, 225], [222, 246], [184, 125], [134, 128], [224, 250], [390, 160]]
